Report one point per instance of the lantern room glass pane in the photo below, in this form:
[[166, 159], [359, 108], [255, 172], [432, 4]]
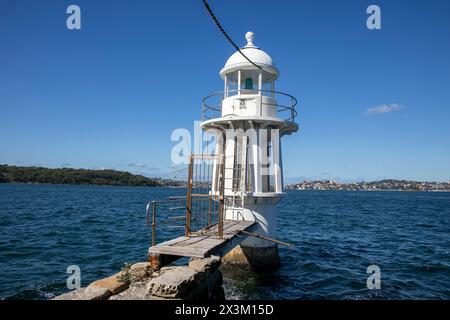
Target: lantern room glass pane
[[267, 84], [248, 84], [232, 83], [249, 81]]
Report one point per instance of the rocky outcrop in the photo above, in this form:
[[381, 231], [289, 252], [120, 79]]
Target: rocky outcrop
[[136, 272], [200, 280], [104, 288], [89, 293], [206, 264], [113, 284], [136, 291], [174, 283]]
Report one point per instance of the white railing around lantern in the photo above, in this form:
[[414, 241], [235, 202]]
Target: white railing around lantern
[[212, 104]]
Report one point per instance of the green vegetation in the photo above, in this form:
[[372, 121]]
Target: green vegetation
[[14, 174], [125, 275]]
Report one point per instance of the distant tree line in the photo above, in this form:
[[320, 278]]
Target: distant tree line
[[14, 174]]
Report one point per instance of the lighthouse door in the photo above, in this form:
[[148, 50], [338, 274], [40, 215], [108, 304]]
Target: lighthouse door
[[205, 201]]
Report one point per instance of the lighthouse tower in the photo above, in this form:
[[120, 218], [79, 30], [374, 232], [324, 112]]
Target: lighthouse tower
[[249, 119]]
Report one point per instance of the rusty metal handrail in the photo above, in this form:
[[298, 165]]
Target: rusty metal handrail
[[217, 108], [152, 205]]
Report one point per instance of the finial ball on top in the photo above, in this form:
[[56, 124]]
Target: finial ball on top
[[249, 37]]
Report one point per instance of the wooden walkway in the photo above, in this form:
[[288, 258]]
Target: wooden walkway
[[202, 246]]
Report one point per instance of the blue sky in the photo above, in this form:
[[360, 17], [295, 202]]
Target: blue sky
[[110, 95]]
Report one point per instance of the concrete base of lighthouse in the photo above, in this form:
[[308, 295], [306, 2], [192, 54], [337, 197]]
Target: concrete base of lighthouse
[[259, 259], [255, 253]]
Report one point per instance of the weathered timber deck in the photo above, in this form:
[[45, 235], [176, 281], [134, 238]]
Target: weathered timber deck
[[202, 246]]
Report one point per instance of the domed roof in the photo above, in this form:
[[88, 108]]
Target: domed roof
[[255, 54]]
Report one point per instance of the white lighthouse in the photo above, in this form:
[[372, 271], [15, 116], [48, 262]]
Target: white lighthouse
[[249, 119]]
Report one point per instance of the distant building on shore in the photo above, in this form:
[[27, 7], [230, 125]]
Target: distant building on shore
[[383, 185]]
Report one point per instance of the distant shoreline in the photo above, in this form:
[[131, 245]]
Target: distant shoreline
[[70, 176], [84, 184], [382, 185], [384, 190], [184, 187]]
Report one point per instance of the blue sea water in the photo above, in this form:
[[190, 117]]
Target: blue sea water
[[336, 236]]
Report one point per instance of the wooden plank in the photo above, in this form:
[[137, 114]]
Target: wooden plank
[[175, 251], [232, 225], [228, 245], [194, 249], [202, 246]]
